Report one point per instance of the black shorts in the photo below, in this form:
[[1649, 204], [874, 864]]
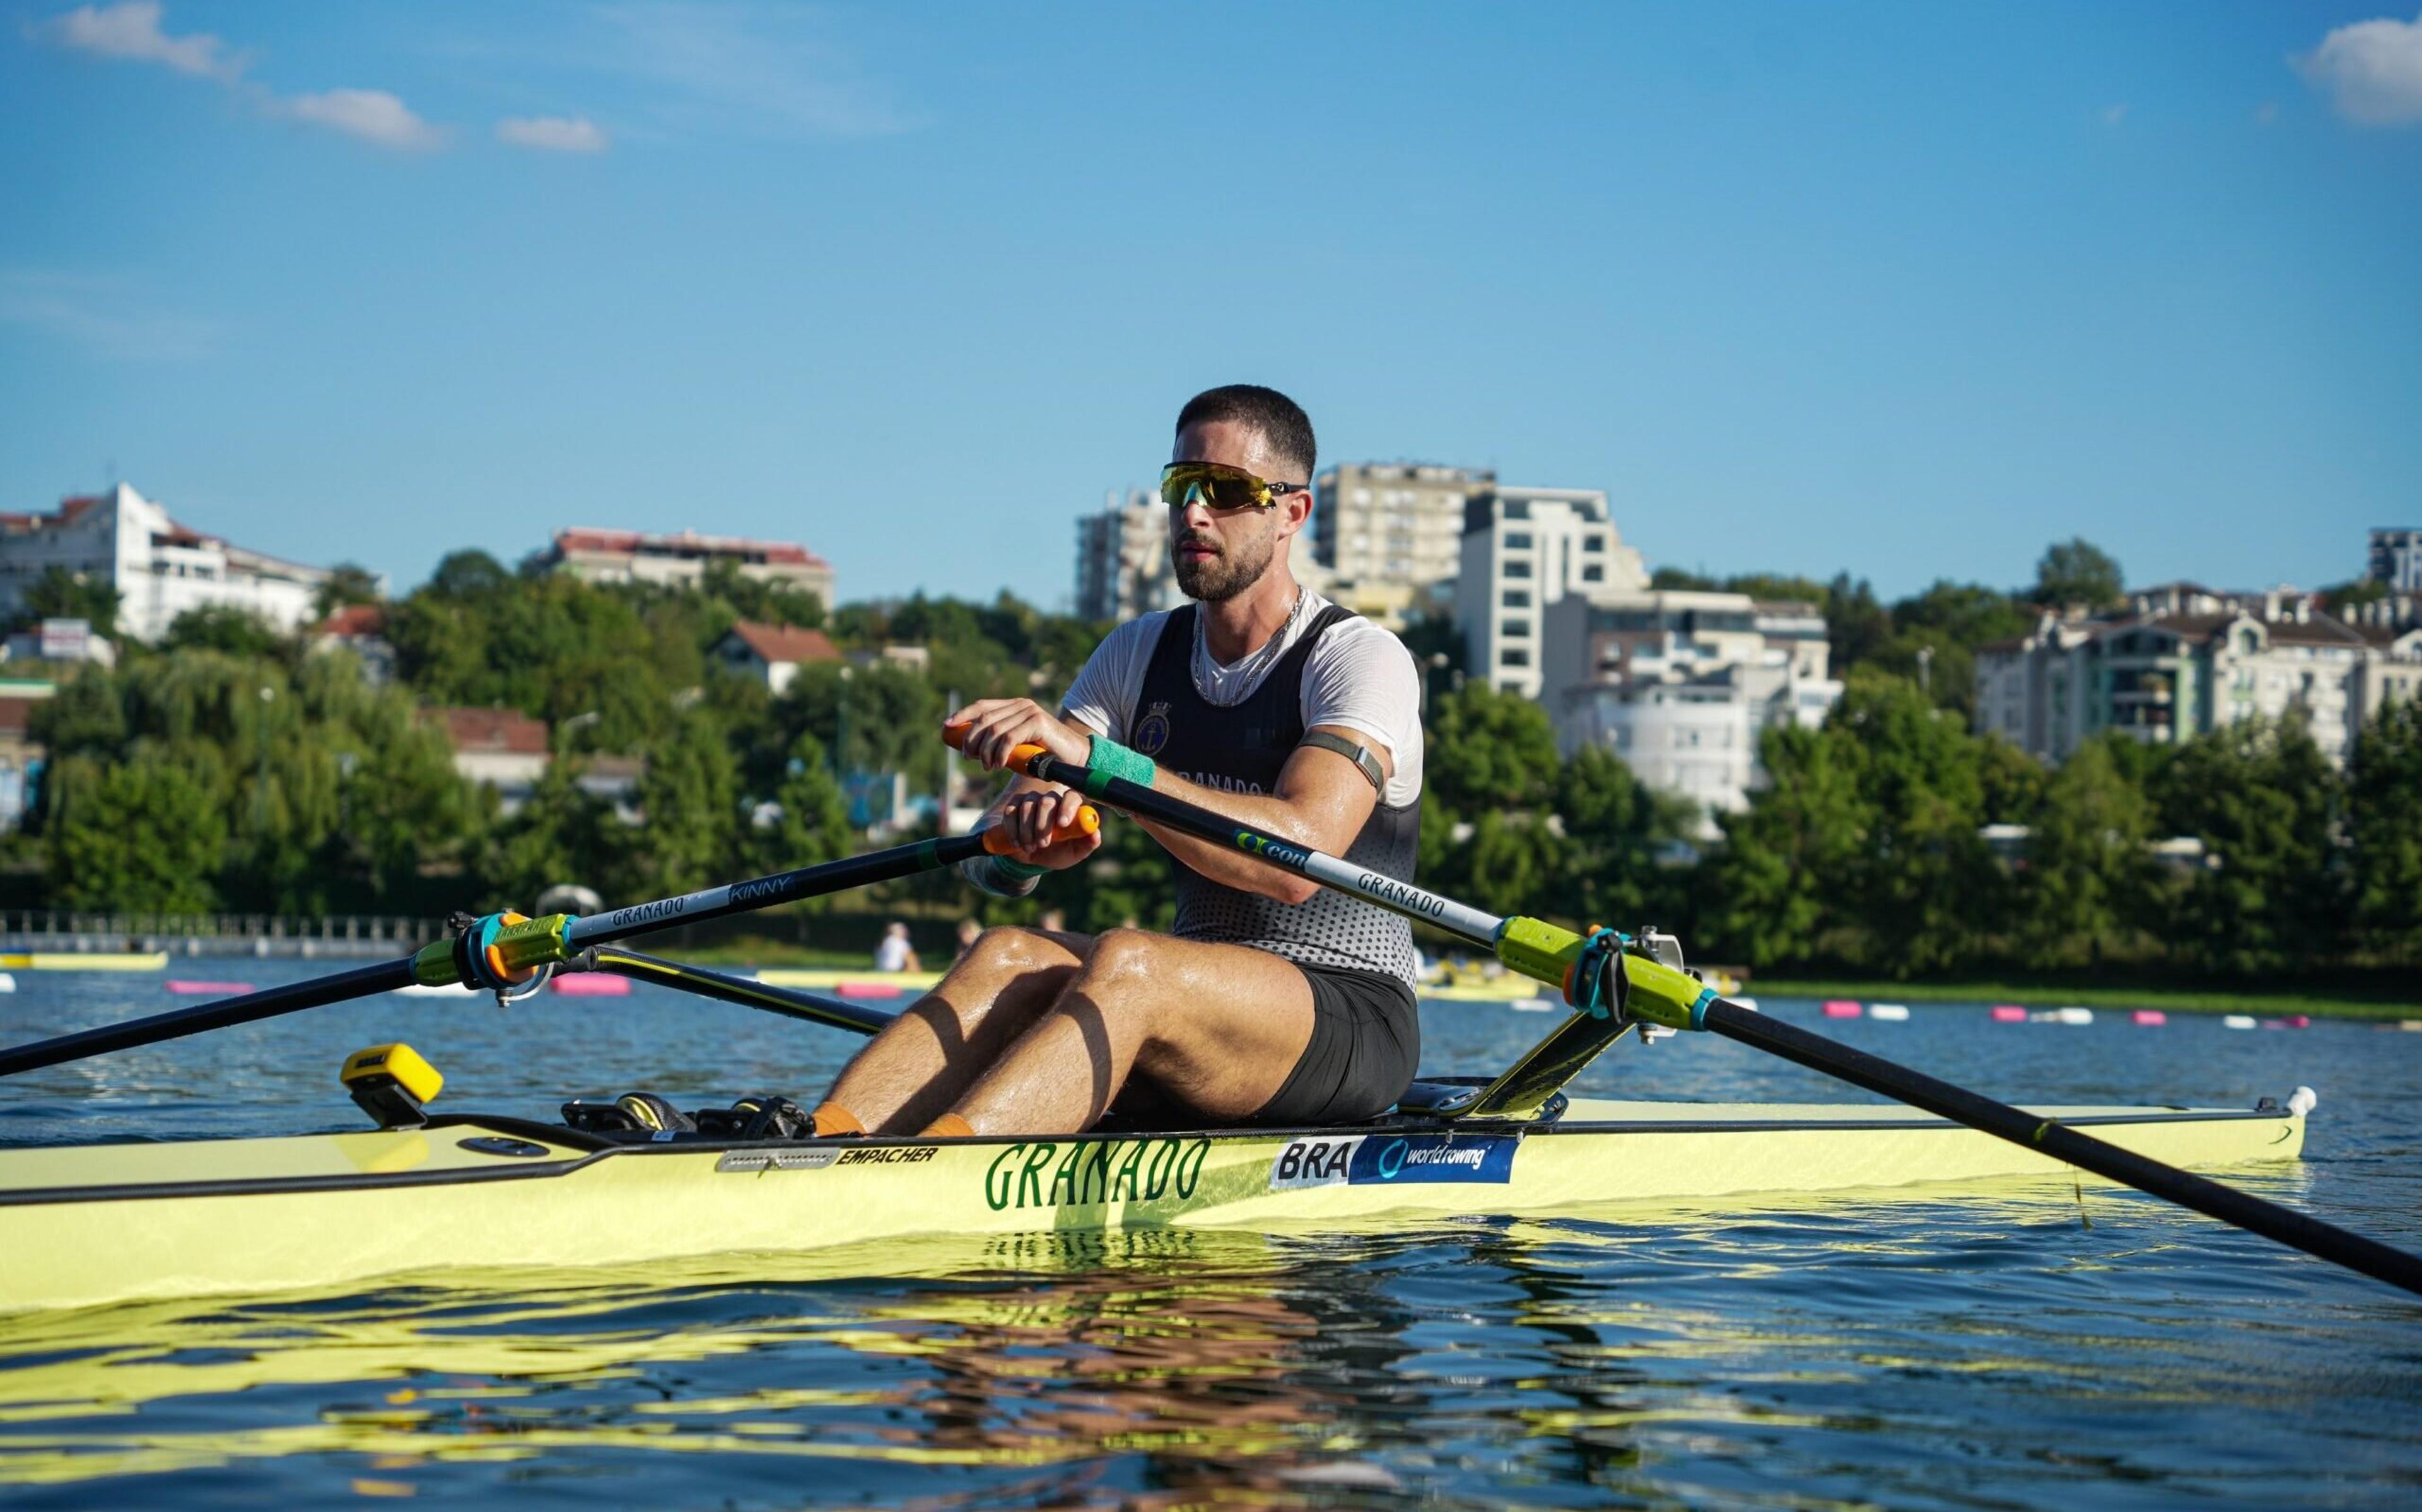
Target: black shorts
[[1367, 1044]]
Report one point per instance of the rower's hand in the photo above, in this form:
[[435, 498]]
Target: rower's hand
[[996, 726], [1032, 818]]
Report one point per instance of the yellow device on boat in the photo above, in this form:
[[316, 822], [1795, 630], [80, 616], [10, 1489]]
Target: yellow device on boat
[[391, 1082]]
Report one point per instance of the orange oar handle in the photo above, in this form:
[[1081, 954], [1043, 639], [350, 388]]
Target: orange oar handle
[[997, 839], [955, 737]]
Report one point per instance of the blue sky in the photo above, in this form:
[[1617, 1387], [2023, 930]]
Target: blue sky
[[1911, 290]]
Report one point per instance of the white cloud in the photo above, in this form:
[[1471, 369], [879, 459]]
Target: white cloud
[[2371, 70], [132, 30], [107, 317], [553, 133], [373, 114], [746, 67]]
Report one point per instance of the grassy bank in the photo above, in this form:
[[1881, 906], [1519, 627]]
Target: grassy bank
[[2362, 1002]]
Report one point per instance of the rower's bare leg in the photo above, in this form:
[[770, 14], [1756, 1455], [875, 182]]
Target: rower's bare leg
[[1218, 1027], [924, 1060]]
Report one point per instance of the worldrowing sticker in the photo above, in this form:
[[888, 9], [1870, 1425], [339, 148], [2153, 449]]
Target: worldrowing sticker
[[1393, 1159]]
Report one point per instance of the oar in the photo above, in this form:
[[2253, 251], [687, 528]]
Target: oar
[[501, 948], [1637, 987], [808, 1007]]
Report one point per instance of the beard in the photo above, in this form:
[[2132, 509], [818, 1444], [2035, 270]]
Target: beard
[[1218, 579]]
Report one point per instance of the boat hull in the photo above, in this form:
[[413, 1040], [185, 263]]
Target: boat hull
[[101, 1223]]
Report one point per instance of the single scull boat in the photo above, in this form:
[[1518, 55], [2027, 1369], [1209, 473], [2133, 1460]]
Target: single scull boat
[[611, 1185]]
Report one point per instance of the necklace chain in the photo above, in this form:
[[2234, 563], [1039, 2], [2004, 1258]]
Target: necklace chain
[[1246, 675]]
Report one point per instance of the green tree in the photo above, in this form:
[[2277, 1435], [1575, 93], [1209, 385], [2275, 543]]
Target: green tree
[[141, 835], [2077, 572], [1779, 884], [348, 583], [1926, 885], [2384, 826], [691, 797], [2087, 873], [2264, 801], [228, 628], [1856, 626], [1488, 752], [813, 826], [562, 834], [1617, 831], [59, 594]]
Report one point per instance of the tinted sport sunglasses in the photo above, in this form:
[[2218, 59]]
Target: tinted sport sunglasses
[[1221, 486]]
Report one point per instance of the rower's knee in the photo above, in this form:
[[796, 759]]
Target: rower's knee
[[1010, 949], [1118, 956]]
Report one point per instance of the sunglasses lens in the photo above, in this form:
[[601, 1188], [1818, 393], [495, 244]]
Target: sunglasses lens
[[1218, 486]]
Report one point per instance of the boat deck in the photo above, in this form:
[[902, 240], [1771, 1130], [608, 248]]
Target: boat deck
[[93, 1224]]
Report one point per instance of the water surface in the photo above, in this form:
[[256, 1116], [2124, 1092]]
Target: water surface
[[2021, 1345]]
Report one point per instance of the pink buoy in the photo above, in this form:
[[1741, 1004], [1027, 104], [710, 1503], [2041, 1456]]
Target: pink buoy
[[186, 987], [2148, 1016], [2009, 1013], [2293, 1021], [1841, 1008], [593, 984]]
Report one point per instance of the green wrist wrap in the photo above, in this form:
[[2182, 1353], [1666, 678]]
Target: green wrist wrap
[[1112, 759]]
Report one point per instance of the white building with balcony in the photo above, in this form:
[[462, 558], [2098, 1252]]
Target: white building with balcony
[[2181, 662], [1525, 550], [159, 567], [1680, 685]]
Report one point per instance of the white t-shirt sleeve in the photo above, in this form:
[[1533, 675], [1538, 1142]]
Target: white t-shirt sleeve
[[1103, 698], [1360, 678]]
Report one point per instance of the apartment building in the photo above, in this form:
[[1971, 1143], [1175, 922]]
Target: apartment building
[[1522, 551], [2396, 560], [1680, 684], [159, 567], [1393, 523], [634, 557], [2182, 661]]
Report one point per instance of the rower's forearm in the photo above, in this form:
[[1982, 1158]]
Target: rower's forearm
[[1225, 864]]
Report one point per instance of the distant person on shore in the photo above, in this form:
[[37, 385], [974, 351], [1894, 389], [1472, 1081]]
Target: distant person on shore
[[895, 953], [970, 932]]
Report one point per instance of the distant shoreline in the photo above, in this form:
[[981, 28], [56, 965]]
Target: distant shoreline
[[2046, 995]]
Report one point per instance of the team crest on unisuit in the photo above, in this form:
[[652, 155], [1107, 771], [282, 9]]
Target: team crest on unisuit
[[1152, 732]]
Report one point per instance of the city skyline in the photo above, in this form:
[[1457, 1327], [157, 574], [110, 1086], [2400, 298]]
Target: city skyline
[[1800, 293]]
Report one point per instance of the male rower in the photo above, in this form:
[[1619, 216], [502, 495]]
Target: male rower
[[1272, 1001]]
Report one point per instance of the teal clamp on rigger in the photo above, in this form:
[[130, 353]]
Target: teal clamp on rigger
[[1699, 1007], [1585, 990]]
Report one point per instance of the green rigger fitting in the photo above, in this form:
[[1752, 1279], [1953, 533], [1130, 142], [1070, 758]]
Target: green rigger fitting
[[541, 941], [432, 965], [1662, 996], [1538, 950]]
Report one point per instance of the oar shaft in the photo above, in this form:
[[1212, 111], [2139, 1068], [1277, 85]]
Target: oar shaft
[[266, 1004], [782, 887], [748, 994], [2324, 1241]]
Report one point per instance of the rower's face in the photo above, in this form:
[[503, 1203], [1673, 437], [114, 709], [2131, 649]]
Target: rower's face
[[1219, 554]]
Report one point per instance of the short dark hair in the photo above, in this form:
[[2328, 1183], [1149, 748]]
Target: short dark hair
[[1284, 428]]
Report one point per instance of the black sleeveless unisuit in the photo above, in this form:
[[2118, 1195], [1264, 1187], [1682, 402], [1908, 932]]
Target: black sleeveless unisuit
[[1241, 749]]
